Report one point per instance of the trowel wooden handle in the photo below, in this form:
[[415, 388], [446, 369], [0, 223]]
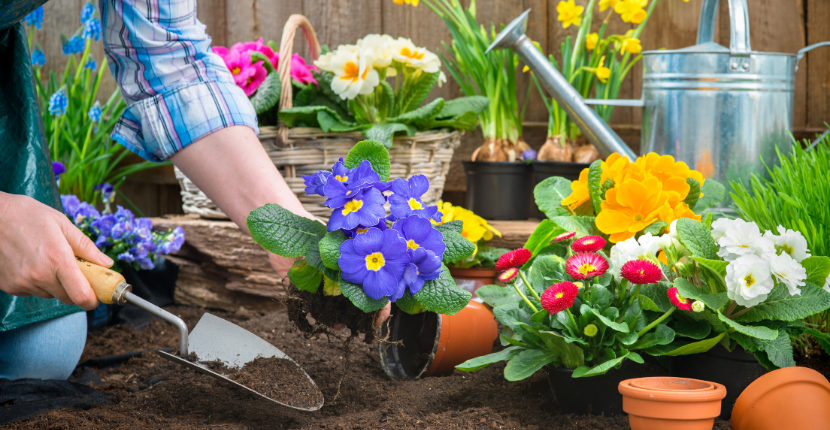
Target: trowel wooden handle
[[109, 285]]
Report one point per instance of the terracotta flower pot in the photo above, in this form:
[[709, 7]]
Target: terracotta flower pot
[[430, 344], [787, 398], [667, 403], [473, 279]]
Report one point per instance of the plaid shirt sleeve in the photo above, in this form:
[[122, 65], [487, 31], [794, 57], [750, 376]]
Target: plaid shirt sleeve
[[177, 91]]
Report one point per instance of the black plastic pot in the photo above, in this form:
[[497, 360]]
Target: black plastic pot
[[595, 394], [734, 370], [545, 169], [499, 190]]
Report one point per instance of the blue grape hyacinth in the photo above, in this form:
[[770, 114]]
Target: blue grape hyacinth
[[95, 115], [35, 18], [88, 11], [74, 44], [92, 29], [91, 64], [58, 102], [38, 57]]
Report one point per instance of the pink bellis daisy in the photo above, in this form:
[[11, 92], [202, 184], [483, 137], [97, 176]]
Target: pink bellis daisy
[[641, 272], [586, 265], [681, 302], [515, 258], [559, 296], [509, 275], [588, 244], [564, 236]]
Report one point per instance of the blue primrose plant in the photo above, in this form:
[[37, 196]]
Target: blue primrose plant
[[363, 253]]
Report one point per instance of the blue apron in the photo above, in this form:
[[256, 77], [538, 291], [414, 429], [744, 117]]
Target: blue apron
[[25, 167]]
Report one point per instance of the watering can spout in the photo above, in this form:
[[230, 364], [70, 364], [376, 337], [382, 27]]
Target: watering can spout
[[595, 129]]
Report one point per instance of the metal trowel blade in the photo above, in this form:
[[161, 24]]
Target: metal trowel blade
[[214, 339]]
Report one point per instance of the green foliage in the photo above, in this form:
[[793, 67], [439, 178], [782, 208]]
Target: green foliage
[[691, 291], [458, 247], [818, 269], [526, 363], [408, 304], [697, 239], [781, 306], [694, 192], [268, 94], [549, 195], [713, 193], [282, 232], [442, 296], [496, 296], [359, 298], [372, 151], [541, 237], [305, 277], [330, 248], [595, 185], [486, 360], [384, 132], [679, 347], [759, 332]]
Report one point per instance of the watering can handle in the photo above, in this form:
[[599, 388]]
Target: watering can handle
[[739, 24]]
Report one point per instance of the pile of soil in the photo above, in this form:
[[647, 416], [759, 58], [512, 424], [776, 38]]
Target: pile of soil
[[276, 378], [150, 392], [326, 312]]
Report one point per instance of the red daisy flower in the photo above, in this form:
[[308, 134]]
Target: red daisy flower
[[588, 244], [509, 275], [564, 236], [514, 258], [681, 302], [559, 297], [641, 272], [584, 265]]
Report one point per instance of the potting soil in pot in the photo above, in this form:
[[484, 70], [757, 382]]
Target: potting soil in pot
[[275, 378], [149, 392]]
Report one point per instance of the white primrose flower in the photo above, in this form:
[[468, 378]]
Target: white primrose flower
[[789, 241], [743, 238], [324, 61], [404, 51], [748, 280], [787, 271], [720, 225], [632, 249], [353, 73], [381, 46], [827, 284]]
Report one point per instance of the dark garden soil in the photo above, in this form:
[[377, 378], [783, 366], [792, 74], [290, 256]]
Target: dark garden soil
[[275, 378], [326, 312], [150, 392]]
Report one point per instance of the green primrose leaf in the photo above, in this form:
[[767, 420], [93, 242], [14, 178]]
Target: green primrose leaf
[[384, 133], [424, 112], [755, 331], [595, 185], [305, 277], [373, 152], [780, 305], [542, 236], [697, 238], [662, 335], [486, 360], [330, 248], [456, 226], [442, 296], [582, 225], [691, 291], [526, 363], [656, 228], [620, 327], [713, 193], [282, 232], [584, 371], [778, 351], [715, 269], [549, 195], [696, 330], [359, 298], [818, 268], [268, 94], [462, 105], [408, 304], [679, 347], [569, 354], [416, 93], [694, 192], [495, 295], [458, 247]]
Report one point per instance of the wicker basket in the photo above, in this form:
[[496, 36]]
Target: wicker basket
[[303, 151]]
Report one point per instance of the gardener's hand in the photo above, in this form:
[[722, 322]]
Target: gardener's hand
[[38, 246]]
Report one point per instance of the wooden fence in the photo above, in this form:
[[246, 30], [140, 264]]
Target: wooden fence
[[775, 26]]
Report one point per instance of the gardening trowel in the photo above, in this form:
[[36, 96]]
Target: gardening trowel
[[213, 339]]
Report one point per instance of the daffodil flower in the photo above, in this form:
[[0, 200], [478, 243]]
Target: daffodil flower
[[631, 45], [602, 72], [414, 3], [569, 13], [631, 10], [591, 41], [605, 4]]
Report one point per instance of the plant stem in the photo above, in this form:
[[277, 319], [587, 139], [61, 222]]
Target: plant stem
[[529, 287], [655, 322], [740, 313], [573, 321], [731, 308], [525, 298], [634, 296]]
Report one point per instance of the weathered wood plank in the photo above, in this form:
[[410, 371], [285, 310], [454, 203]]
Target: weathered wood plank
[[818, 63]]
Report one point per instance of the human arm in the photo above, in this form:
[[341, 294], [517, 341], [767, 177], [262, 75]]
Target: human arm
[[38, 246]]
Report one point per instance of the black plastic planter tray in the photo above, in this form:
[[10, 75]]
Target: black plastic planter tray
[[499, 190], [545, 169], [595, 394]]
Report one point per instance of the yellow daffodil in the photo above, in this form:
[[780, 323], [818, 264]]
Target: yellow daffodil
[[605, 4], [602, 72], [630, 207], [414, 3], [591, 41], [631, 45], [569, 13], [631, 10]]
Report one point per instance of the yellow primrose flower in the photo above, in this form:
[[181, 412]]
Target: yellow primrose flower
[[569, 13], [615, 167], [630, 207], [605, 4], [631, 45], [474, 227], [591, 41], [602, 72], [670, 213], [579, 191], [631, 10], [414, 3]]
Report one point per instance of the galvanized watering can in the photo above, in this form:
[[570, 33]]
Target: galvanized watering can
[[717, 109]]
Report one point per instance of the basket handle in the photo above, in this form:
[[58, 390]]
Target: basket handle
[[294, 22]]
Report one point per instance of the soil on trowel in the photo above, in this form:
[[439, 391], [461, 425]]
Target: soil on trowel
[[327, 312], [150, 392], [275, 378]]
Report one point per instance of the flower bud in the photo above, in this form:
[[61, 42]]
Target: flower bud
[[698, 306], [590, 330], [579, 285]]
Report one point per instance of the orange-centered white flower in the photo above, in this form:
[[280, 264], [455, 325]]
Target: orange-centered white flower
[[353, 73], [404, 51]]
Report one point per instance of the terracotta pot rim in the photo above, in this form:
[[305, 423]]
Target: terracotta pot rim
[[694, 396], [480, 272], [767, 383], [636, 383]]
